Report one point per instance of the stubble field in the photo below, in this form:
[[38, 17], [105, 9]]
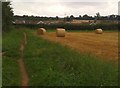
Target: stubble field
[[103, 45]]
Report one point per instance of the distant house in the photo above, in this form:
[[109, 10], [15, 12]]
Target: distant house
[[26, 22], [19, 22], [40, 22]]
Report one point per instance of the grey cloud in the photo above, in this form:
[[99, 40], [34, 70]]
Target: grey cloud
[[64, 0], [62, 8]]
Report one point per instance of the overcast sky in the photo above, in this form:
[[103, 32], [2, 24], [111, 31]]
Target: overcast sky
[[63, 8]]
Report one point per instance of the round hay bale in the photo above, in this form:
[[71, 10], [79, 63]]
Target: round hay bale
[[98, 31], [41, 31], [60, 32]]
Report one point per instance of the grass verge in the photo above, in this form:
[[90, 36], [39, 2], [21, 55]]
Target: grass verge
[[10, 69], [50, 64], [10, 72]]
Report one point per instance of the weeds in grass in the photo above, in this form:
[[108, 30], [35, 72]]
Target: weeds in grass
[[10, 70]]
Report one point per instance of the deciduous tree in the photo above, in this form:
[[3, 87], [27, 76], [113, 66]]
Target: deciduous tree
[[7, 16]]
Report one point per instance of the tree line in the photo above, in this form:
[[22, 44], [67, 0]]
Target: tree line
[[68, 18]]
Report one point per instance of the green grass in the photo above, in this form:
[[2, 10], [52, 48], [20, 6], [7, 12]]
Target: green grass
[[10, 72], [11, 43], [50, 64]]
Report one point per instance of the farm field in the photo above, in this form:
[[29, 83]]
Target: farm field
[[103, 45], [59, 44], [52, 64]]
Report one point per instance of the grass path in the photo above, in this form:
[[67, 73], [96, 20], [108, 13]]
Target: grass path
[[24, 74], [14, 71], [10, 68]]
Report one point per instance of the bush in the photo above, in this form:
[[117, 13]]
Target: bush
[[104, 26]]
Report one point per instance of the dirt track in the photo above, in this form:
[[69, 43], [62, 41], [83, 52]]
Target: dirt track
[[23, 71], [103, 45]]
